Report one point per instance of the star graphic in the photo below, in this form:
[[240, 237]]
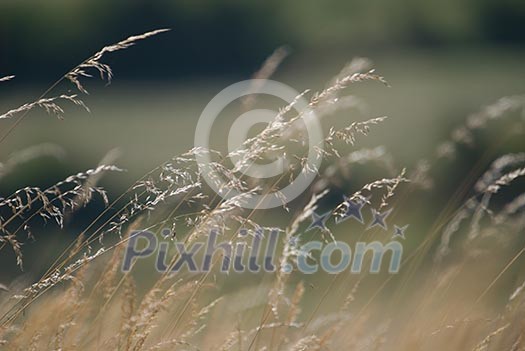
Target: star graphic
[[353, 209], [319, 221], [379, 219], [293, 241], [399, 231]]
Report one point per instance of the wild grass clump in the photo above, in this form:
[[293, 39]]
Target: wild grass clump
[[453, 292]]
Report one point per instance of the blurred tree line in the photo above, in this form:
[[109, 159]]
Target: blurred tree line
[[41, 39]]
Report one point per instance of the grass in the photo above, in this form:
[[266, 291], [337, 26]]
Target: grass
[[459, 287]]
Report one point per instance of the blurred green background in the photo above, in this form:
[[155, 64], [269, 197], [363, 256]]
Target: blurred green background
[[443, 58], [41, 39], [446, 58]]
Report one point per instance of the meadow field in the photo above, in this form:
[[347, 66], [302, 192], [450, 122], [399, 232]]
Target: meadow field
[[420, 150]]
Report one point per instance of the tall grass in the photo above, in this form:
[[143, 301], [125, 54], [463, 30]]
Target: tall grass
[[459, 287]]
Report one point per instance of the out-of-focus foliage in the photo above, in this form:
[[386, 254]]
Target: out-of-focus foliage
[[214, 37]]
